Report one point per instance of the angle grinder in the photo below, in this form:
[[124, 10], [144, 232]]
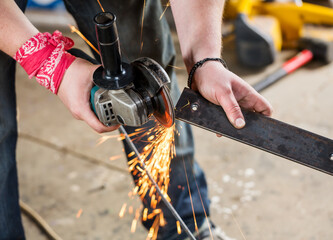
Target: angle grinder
[[127, 93]]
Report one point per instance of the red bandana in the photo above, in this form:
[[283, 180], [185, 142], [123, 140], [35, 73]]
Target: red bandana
[[44, 56]]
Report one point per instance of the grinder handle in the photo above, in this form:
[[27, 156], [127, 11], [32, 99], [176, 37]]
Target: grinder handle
[[108, 43]]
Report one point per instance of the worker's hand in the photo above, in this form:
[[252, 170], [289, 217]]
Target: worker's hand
[[74, 92], [222, 87]]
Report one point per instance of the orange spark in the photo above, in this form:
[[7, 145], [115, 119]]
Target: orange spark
[[239, 228], [162, 220], [78, 215], [135, 190], [131, 154], [74, 29], [203, 206], [166, 7], [105, 138], [150, 216], [145, 214], [179, 68], [100, 5], [151, 192], [122, 210], [156, 211], [142, 19], [157, 155], [140, 169], [115, 157], [133, 227], [151, 138], [130, 209], [179, 230], [150, 233], [189, 191], [156, 227]]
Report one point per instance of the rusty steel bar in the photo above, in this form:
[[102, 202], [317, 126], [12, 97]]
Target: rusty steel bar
[[262, 132]]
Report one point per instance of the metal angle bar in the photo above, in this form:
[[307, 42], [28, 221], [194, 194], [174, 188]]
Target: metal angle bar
[[262, 132], [165, 201]]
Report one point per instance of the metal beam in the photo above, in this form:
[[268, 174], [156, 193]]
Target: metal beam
[[262, 132]]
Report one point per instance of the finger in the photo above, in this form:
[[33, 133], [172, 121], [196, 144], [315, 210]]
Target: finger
[[232, 109], [250, 99], [218, 135], [257, 103], [90, 118], [263, 106]]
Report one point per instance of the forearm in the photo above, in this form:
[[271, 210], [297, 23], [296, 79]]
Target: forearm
[[198, 24], [15, 28]]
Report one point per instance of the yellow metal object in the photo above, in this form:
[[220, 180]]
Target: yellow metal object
[[235, 7], [290, 16], [270, 26], [323, 33]]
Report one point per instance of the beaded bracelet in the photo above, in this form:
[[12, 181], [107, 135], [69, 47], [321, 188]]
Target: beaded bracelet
[[199, 64]]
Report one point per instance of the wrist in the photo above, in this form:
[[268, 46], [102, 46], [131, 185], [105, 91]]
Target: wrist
[[198, 55], [44, 56], [200, 64]]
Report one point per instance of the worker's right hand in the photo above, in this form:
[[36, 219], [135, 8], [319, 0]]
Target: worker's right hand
[[74, 92]]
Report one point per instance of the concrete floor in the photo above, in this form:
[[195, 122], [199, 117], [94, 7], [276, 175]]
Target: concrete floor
[[255, 195]]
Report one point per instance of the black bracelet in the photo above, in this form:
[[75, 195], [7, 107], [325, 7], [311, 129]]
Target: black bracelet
[[199, 64]]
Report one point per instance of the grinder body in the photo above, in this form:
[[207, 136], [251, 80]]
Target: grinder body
[[127, 94]]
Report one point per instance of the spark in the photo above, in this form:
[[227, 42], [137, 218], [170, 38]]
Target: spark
[[100, 5], [135, 220], [133, 227], [74, 29], [176, 67], [144, 215], [189, 191], [122, 210], [179, 229], [130, 210], [166, 8], [153, 231], [142, 19], [115, 157], [203, 206], [157, 155], [131, 154], [156, 226], [237, 224], [78, 215], [105, 138], [162, 220]]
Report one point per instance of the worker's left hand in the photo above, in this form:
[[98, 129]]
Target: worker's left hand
[[74, 92], [222, 87]]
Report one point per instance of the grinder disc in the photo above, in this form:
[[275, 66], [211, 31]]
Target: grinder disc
[[153, 79], [164, 112]]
